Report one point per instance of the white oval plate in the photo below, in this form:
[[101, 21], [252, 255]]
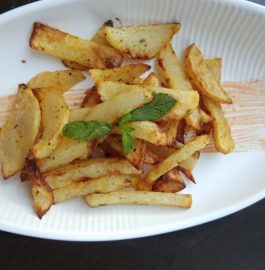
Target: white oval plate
[[233, 30]]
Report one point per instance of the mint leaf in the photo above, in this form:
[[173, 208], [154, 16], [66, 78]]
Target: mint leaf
[[86, 130], [151, 111], [127, 138]]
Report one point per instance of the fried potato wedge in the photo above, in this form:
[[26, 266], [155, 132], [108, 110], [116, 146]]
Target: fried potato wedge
[[138, 81], [91, 99], [170, 70], [222, 136], [170, 128], [147, 131], [66, 151], [19, 132], [102, 184], [140, 197], [99, 37], [190, 162], [91, 168], [54, 115], [172, 75], [188, 174], [171, 182], [125, 74], [136, 155], [62, 79], [68, 47], [42, 193], [215, 64], [176, 158], [141, 41], [78, 114], [150, 158], [186, 100], [151, 80], [202, 77], [118, 105]]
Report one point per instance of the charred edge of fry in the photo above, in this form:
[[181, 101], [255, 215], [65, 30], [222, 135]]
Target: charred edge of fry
[[188, 174], [181, 131]]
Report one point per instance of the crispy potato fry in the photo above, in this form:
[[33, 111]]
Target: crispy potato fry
[[112, 109], [202, 76], [68, 47], [101, 184], [141, 41], [66, 151], [19, 132], [147, 131], [54, 115], [140, 197], [91, 168], [170, 70], [176, 158], [150, 158], [173, 76], [215, 64], [170, 182], [61, 79], [99, 37], [190, 163], [222, 136], [136, 155], [125, 74], [91, 99], [42, 193], [151, 80], [186, 100]]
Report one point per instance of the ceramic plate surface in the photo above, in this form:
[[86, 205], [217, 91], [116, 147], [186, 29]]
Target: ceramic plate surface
[[233, 30]]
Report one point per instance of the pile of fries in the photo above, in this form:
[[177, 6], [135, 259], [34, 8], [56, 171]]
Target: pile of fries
[[60, 167]]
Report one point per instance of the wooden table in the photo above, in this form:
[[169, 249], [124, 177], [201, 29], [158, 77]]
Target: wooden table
[[234, 242]]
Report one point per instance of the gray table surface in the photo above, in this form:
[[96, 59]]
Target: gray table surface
[[233, 242]]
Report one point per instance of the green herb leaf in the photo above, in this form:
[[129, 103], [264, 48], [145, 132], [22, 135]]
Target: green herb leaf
[[127, 138], [86, 130], [151, 111]]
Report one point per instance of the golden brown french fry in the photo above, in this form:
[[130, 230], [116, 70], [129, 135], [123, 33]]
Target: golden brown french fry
[[99, 37], [68, 47], [19, 132], [190, 163], [170, 128], [66, 151], [188, 174], [91, 168], [91, 99], [140, 197], [54, 115], [186, 100], [61, 79], [170, 70], [151, 80], [222, 136], [147, 131], [136, 155], [112, 109], [141, 41], [125, 74], [170, 182], [215, 64], [202, 76], [104, 184], [42, 193], [176, 158]]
